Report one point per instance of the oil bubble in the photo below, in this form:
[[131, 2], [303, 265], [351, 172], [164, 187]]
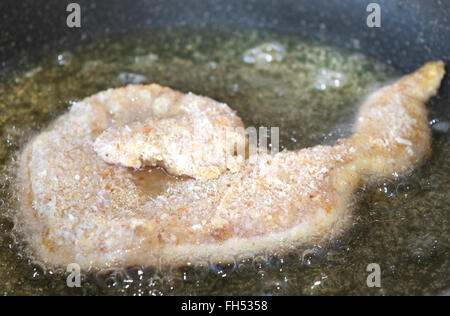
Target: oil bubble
[[329, 79], [64, 59], [264, 53], [133, 78]]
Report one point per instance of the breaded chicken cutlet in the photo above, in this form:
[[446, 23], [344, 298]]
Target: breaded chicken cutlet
[[79, 203]]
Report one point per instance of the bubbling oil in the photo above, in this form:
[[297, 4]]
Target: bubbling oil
[[306, 88]]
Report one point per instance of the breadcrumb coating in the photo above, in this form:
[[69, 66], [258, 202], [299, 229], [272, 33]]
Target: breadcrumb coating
[[186, 134], [80, 205]]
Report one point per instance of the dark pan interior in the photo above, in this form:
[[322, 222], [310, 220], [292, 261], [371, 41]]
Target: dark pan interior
[[411, 32]]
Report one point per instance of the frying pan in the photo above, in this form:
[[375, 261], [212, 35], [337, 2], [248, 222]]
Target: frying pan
[[412, 32]]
